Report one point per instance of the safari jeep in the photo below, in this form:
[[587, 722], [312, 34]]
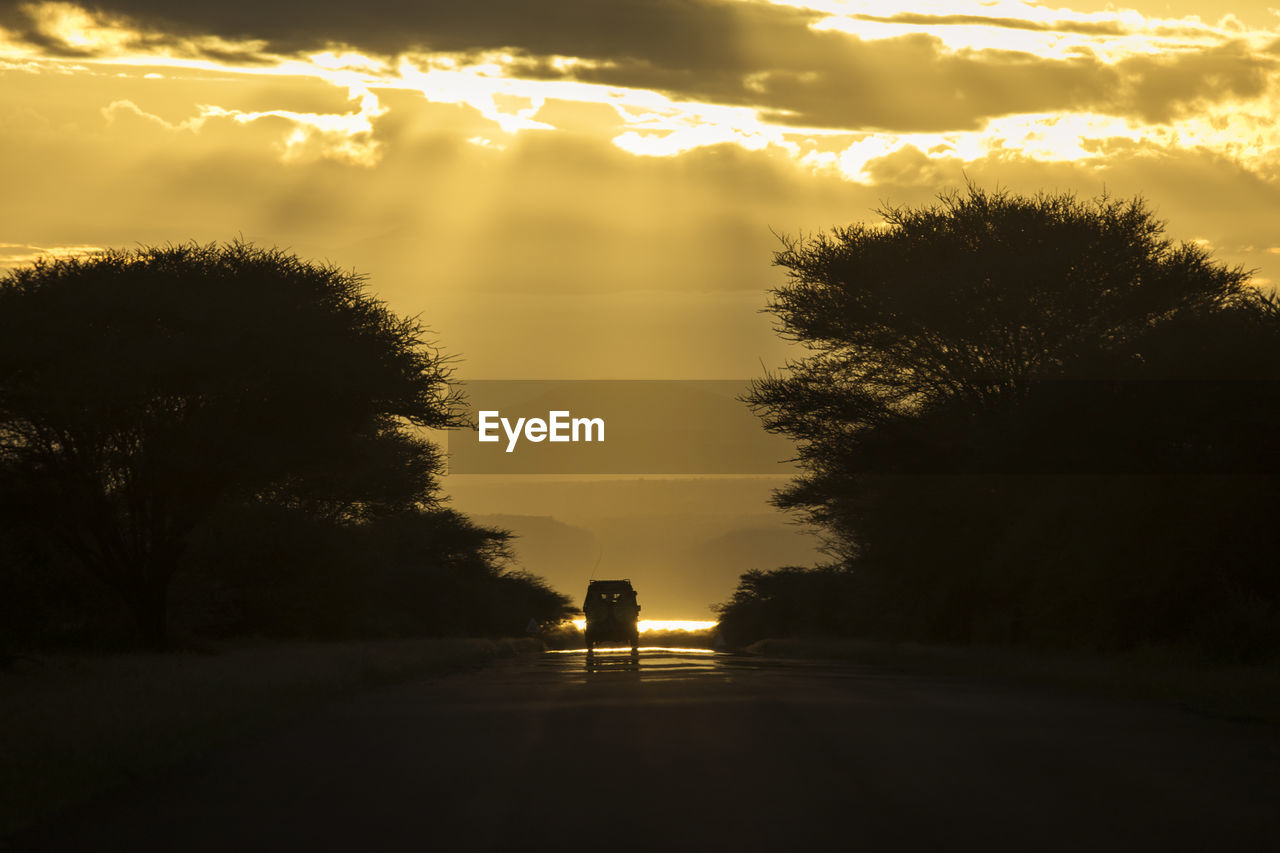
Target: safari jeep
[[612, 614]]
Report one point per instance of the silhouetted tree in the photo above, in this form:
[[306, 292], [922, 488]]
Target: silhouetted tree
[[971, 360], [140, 390], [791, 602], [271, 570]]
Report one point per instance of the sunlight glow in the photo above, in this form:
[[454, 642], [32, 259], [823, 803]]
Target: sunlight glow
[[686, 138], [103, 37], [443, 80], [341, 136], [499, 86], [661, 625], [1016, 25], [21, 254], [627, 651], [76, 28]]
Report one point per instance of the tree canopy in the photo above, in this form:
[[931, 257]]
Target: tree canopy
[[1017, 407], [140, 390], [973, 299]]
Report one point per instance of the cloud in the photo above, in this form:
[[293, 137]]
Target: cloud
[[581, 28], [788, 65], [20, 254], [1161, 88], [591, 188], [1092, 28], [72, 30], [649, 264], [124, 110]]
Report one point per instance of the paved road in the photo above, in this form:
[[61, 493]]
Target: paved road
[[687, 751]]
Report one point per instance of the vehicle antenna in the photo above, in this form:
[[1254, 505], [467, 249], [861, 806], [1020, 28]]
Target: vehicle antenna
[[597, 565]]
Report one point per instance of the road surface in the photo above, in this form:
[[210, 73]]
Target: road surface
[[689, 751]]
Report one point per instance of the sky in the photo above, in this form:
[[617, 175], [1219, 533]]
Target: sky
[[576, 189]]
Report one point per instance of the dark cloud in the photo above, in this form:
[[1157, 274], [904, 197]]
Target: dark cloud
[[755, 55], [15, 18], [912, 83], [909, 166], [662, 30], [1163, 87]]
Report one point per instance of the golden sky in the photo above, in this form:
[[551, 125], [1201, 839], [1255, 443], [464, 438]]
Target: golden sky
[[589, 189], [583, 189]]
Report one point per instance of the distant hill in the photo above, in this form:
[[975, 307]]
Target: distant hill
[[681, 563], [563, 554]]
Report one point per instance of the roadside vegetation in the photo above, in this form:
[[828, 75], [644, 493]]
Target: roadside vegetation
[[217, 441], [1025, 421]]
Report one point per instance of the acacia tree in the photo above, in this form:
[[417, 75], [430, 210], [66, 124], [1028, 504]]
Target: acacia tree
[[139, 390], [939, 343], [968, 302]]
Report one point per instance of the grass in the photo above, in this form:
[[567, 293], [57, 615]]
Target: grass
[[1235, 691], [73, 726]]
